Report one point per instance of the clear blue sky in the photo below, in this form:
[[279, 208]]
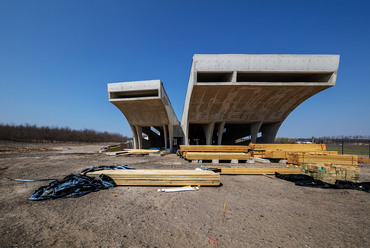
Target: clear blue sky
[[56, 57]]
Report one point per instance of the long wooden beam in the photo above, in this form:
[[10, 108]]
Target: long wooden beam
[[255, 171]]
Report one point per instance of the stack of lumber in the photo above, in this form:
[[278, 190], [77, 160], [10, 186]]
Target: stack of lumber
[[217, 155], [288, 147], [255, 171], [213, 148], [281, 151], [215, 152], [141, 151], [330, 173], [285, 154], [304, 158], [161, 177]]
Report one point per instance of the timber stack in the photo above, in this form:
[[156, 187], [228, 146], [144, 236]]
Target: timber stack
[[161, 177], [330, 173], [215, 152]]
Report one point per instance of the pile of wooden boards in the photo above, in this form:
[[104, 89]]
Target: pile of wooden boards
[[282, 151], [330, 173], [308, 158], [215, 152], [161, 177]]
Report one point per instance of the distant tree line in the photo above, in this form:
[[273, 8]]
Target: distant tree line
[[357, 139], [335, 140], [32, 133]]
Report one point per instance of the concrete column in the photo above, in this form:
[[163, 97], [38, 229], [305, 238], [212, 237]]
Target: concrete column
[[269, 132], [233, 78], [208, 131], [170, 134], [134, 136], [139, 132], [220, 132], [165, 136], [255, 128]]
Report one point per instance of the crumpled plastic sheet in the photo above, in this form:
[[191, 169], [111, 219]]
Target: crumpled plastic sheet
[[77, 185], [308, 181]]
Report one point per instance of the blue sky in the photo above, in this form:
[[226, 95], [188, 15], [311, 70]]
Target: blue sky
[[56, 57]]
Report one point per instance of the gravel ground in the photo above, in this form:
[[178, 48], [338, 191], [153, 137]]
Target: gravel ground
[[260, 211]]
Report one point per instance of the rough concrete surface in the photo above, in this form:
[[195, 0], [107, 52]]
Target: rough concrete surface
[[260, 211]]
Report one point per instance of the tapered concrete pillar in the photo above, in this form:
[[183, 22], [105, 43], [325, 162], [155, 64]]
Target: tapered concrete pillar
[[165, 136], [255, 128], [208, 131], [170, 134], [134, 136], [220, 132], [139, 132], [269, 132]]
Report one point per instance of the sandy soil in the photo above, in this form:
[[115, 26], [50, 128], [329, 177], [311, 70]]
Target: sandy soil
[[260, 211]]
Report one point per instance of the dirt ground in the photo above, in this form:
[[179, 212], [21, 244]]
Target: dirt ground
[[260, 211]]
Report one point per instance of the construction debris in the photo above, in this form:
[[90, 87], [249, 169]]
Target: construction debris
[[308, 181], [186, 188]]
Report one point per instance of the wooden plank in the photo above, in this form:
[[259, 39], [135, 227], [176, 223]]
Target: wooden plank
[[288, 147], [364, 160], [161, 177], [256, 171], [141, 151], [214, 148], [217, 155]]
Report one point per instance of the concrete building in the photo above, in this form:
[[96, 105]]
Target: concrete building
[[231, 98], [148, 110]]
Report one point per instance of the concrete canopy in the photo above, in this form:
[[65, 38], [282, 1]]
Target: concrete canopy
[[148, 110], [232, 96]]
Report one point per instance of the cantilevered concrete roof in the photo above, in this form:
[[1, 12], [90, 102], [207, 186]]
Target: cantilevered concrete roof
[[236, 95], [145, 104], [231, 98]]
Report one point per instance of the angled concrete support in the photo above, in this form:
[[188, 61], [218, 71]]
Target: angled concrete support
[[170, 134], [269, 132], [208, 131], [220, 132], [139, 133], [255, 128], [134, 134], [165, 136]]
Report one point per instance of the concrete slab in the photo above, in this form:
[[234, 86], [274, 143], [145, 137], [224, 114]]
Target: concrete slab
[[233, 96]]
